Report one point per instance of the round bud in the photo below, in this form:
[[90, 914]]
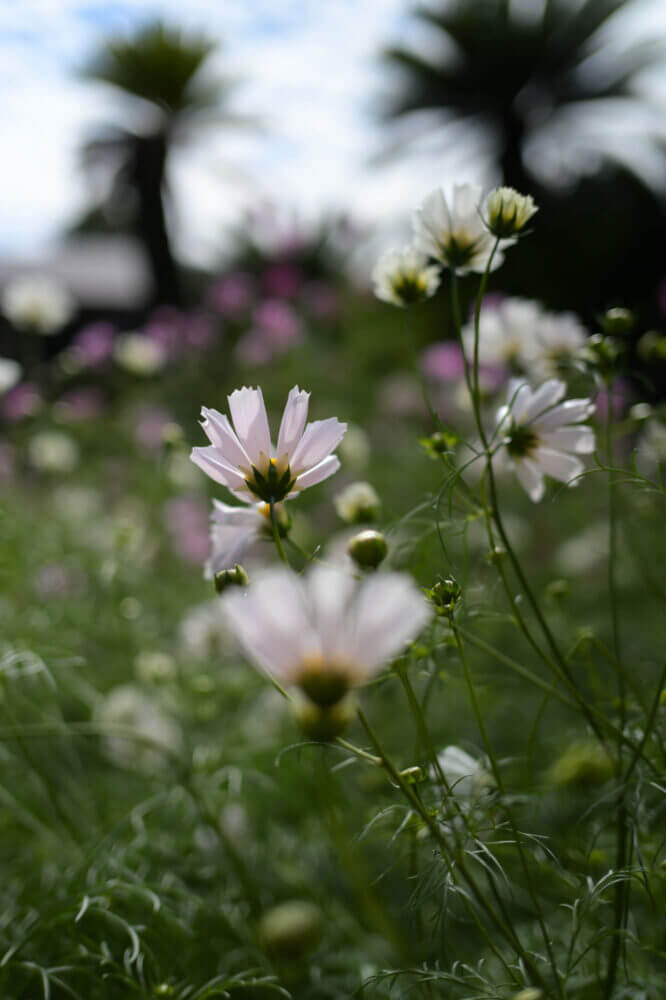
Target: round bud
[[235, 577], [652, 346], [323, 723], [291, 930], [582, 765], [617, 321], [358, 503], [368, 549], [445, 595]]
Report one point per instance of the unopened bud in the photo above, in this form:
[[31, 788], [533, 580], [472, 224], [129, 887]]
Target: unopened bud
[[235, 577], [439, 443], [445, 595], [617, 321], [368, 549], [582, 764], [601, 353], [291, 930], [652, 346]]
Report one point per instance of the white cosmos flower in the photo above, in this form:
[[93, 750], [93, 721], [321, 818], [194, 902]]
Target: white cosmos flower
[[243, 459], [463, 773], [10, 373], [508, 211], [507, 333], [325, 632], [558, 341], [542, 434], [234, 529], [454, 233], [38, 304], [403, 277]]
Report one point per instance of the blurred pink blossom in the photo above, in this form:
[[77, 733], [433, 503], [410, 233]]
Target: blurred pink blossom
[[58, 580], [22, 401], [148, 425], [283, 280], [93, 344], [85, 403], [199, 331], [232, 294], [621, 396], [279, 321], [255, 348], [187, 521], [443, 361]]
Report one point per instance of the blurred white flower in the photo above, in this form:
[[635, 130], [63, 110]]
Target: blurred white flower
[[454, 233], [541, 434], [325, 632], [357, 503], [53, 451], [203, 632], [403, 277], [243, 459], [508, 211], [558, 342], [651, 449], [507, 333], [584, 552], [10, 374], [138, 354], [354, 449], [37, 304], [234, 529], [463, 773], [127, 707]]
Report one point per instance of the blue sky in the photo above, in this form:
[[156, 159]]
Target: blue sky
[[307, 67]]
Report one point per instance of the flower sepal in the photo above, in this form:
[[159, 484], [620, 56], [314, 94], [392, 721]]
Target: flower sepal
[[275, 485]]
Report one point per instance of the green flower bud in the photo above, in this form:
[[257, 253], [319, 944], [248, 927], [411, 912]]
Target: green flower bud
[[236, 577], [445, 595], [368, 549], [601, 353], [582, 764], [323, 723], [289, 931], [617, 321], [652, 346], [439, 443]]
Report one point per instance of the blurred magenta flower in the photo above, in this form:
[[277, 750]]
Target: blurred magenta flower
[[443, 361], [283, 280], [93, 345], [148, 427], [279, 321], [165, 327], [198, 331], [85, 403], [187, 522], [232, 294], [622, 396], [22, 401]]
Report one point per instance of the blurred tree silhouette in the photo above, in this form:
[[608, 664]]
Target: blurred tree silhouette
[[160, 69], [557, 95], [518, 69]]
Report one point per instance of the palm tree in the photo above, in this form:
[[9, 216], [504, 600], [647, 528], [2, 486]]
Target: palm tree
[[159, 69], [542, 76]]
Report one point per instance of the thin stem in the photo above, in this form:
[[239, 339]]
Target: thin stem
[[497, 774], [276, 533]]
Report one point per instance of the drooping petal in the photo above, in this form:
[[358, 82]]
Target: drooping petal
[[271, 623], [558, 464], [221, 434], [210, 461], [320, 438], [530, 478], [248, 412], [579, 439], [389, 612], [319, 473], [292, 425]]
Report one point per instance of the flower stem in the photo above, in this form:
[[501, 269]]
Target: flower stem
[[276, 533]]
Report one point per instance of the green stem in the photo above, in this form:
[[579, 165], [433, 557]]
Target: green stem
[[276, 534]]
